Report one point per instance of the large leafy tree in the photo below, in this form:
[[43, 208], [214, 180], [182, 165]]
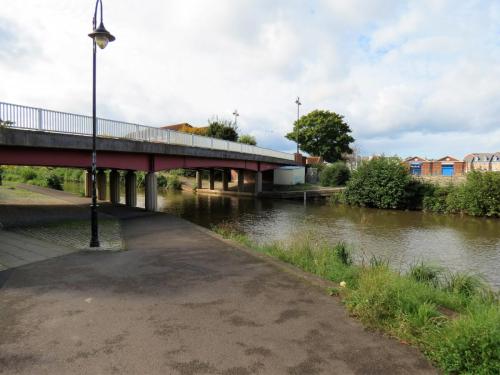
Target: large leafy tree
[[323, 133], [222, 129]]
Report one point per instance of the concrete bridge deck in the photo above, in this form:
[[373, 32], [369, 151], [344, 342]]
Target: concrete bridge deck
[[181, 301]]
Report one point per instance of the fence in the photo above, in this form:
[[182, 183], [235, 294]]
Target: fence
[[30, 118]]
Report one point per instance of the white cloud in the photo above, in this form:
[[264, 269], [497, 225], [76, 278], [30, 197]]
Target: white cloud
[[395, 69]]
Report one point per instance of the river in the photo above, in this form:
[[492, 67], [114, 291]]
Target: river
[[402, 237]]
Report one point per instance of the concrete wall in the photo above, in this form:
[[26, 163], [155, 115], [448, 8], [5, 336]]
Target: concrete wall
[[289, 175]]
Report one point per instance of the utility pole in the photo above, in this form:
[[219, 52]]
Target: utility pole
[[236, 114], [298, 116]]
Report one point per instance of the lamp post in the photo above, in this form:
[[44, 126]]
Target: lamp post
[[100, 37], [298, 116], [236, 115]]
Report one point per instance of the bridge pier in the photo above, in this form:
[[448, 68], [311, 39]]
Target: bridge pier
[[114, 186], [258, 182], [88, 183], [131, 189], [151, 192], [225, 179], [241, 180], [199, 182], [212, 179], [101, 185]]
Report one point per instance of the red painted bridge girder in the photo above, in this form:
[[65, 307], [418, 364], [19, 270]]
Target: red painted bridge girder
[[119, 160]]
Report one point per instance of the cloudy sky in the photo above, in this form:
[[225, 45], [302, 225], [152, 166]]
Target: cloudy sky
[[417, 77]]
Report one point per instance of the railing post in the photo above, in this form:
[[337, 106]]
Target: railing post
[[40, 119]]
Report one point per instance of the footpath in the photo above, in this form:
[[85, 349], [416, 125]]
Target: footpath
[[180, 301]]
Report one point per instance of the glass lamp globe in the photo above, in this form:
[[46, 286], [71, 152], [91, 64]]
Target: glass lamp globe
[[102, 36]]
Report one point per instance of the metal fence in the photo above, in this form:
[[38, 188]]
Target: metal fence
[[22, 117]]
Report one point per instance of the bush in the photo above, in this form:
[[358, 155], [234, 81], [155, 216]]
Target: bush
[[336, 174], [169, 181], [247, 139], [173, 182], [53, 181], [479, 196], [380, 183]]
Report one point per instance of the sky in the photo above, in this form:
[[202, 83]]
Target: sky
[[411, 77]]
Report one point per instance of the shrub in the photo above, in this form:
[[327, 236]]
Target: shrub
[[169, 181], [436, 200], [54, 181], [27, 173], [247, 139], [380, 183], [336, 174], [173, 182], [481, 194]]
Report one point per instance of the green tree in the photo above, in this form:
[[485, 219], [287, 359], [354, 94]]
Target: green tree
[[336, 174], [323, 133], [222, 129], [380, 183], [247, 139]]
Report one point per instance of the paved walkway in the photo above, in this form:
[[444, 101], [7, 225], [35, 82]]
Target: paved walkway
[[180, 301], [17, 250]]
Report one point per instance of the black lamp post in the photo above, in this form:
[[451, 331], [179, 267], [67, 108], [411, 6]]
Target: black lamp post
[[100, 37], [298, 116]]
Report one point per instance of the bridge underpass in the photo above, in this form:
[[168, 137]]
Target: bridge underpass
[[38, 137]]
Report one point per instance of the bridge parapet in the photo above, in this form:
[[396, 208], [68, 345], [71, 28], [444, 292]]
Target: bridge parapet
[[39, 119]]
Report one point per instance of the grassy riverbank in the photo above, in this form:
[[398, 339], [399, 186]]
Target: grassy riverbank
[[454, 318]]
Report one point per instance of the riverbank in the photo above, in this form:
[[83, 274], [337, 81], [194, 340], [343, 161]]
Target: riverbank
[[453, 318]]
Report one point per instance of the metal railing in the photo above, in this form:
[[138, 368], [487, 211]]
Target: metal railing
[[22, 117]]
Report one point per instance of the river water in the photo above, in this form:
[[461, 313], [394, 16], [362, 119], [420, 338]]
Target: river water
[[458, 243]]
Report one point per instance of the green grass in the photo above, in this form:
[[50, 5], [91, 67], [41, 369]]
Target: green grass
[[454, 318], [10, 192]]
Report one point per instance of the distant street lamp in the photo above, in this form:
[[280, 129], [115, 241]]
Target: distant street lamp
[[236, 115], [100, 37], [298, 116]]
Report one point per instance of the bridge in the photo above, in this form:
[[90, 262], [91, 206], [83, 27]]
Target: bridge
[[41, 137]]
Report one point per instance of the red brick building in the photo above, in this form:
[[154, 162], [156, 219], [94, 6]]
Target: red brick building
[[445, 166]]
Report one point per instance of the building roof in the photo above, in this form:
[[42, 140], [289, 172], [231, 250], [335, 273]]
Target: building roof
[[479, 156], [448, 158], [177, 127], [414, 158]]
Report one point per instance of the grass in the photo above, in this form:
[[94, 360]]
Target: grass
[[454, 318], [10, 192]]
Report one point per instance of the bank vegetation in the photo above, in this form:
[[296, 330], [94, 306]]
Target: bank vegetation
[[386, 183]]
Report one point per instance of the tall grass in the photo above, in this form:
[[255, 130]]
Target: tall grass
[[454, 318]]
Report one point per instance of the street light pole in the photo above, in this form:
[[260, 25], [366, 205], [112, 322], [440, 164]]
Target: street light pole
[[100, 37], [298, 116], [236, 114]]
